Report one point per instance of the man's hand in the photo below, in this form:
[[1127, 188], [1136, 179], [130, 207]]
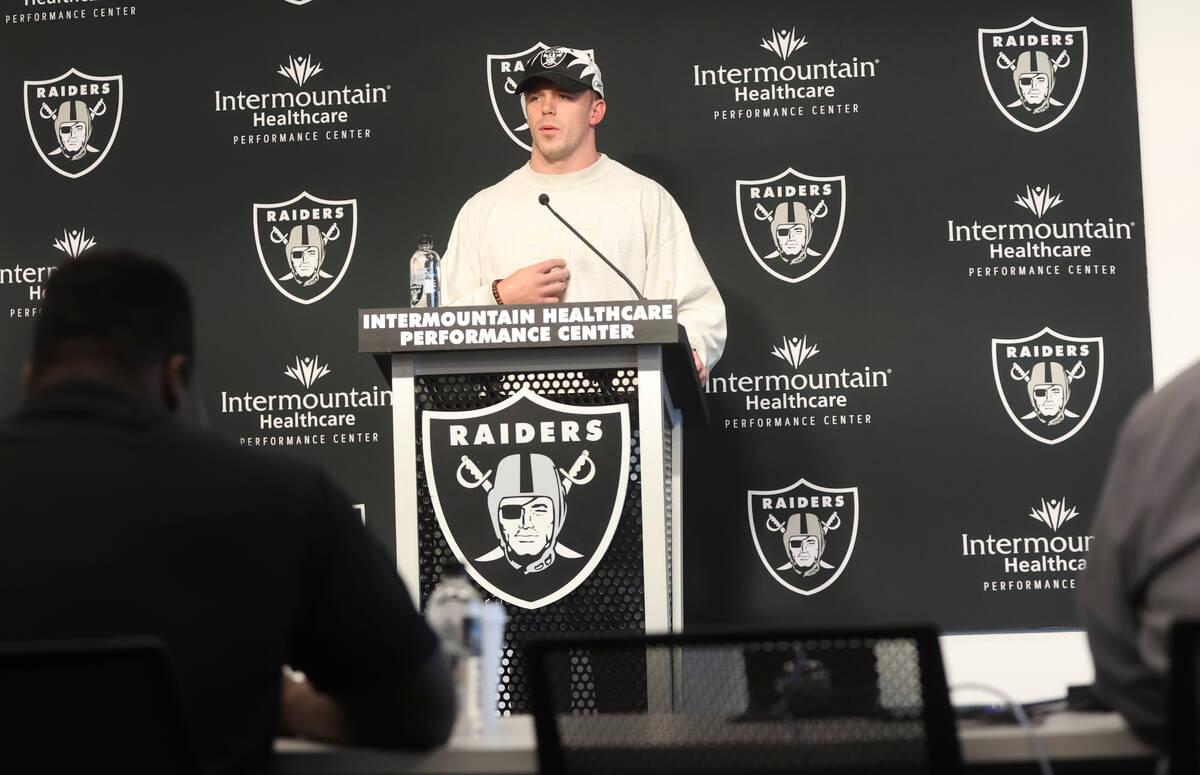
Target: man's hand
[[703, 372], [540, 283]]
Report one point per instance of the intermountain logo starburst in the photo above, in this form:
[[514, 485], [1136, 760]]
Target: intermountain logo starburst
[[307, 371], [74, 242], [795, 350], [1054, 514], [1038, 200], [300, 69], [783, 43]]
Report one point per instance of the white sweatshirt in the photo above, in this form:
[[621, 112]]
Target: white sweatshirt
[[630, 218]]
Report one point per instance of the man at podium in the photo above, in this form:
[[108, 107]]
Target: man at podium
[[507, 246]]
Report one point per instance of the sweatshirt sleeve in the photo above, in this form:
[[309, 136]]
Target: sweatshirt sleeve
[[463, 283], [675, 270]]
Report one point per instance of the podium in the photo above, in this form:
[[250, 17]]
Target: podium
[[540, 445]]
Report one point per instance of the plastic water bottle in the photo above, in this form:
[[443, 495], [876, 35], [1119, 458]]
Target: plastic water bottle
[[454, 612], [425, 275]]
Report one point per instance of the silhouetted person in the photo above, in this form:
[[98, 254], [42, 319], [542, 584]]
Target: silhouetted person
[[119, 519]]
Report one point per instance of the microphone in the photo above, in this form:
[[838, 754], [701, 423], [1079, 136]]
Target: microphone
[[544, 200]]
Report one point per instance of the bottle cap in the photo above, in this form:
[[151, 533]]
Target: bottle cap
[[425, 240]]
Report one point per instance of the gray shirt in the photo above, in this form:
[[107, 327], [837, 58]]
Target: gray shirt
[[1144, 567]]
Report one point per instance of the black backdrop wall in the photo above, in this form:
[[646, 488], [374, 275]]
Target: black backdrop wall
[[969, 250]]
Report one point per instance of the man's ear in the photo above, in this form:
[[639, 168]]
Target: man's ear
[[175, 381], [597, 114]]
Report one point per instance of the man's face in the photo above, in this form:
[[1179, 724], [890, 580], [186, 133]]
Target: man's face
[[1035, 88], [1049, 399], [305, 260], [560, 121], [527, 524], [72, 135], [804, 550], [792, 239]]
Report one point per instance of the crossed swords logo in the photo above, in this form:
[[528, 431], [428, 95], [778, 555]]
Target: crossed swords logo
[[582, 471], [831, 524], [48, 113], [763, 214], [510, 87], [1077, 372], [1063, 60], [279, 238]]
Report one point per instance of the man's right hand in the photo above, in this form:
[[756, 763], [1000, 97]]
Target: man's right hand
[[542, 283]]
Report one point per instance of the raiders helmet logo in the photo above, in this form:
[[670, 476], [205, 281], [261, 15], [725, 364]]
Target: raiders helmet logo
[[528, 492], [1048, 382], [804, 533], [73, 119], [792, 222], [1034, 71], [305, 244]]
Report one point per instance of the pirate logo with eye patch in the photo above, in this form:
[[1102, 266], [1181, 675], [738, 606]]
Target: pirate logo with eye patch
[[305, 244], [804, 533], [73, 119], [792, 222], [1049, 382], [1034, 71], [528, 492]]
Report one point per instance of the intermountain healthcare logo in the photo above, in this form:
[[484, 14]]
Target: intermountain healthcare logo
[[792, 222], [1045, 243], [73, 119], [528, 492], [300, 113], [28, 281], [320, 415], [305, 244], [783, 89], [804, 533], [504, 72], [1048, 382], [1032, 562], [74, 242], [1034, 71], [778, 400]]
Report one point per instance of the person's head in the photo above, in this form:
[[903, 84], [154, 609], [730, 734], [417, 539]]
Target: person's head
[[1049, 390], [791, 228], [73, 126], [526, 507], [563, 97], [305, 252], [804, 539], [118, 318], [1034, 78]]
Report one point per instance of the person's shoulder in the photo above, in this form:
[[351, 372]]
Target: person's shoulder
[[217, 456], [498, 190], [630, 176], [1176, 401]]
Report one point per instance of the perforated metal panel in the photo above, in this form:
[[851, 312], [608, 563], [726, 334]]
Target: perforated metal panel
[[612, 598], [842, 704]]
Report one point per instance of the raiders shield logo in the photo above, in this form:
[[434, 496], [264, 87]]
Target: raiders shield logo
[[792, 222], [73, 119], [1049, 382], [528, 492], [1034, 71], [504, 72], [804, 533], [305, 244]]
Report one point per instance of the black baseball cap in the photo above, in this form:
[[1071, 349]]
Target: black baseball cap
[[571, 68]]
